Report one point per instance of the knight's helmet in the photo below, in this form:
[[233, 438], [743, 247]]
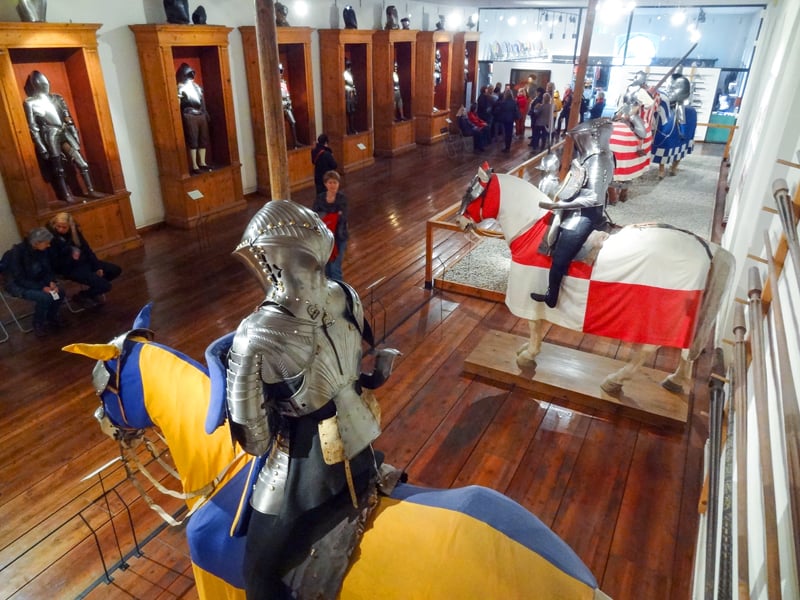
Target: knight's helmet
[[592, 137], [184, 72], [286, 247], [679, 89], [37, 83], [639, 78]]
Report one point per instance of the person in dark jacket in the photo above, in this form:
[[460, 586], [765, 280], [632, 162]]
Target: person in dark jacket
[[73, 258], [331, 206], [322, 158], [29, 275], [506, 114]]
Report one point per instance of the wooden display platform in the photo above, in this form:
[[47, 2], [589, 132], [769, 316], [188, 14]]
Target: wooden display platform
[[575, 376]]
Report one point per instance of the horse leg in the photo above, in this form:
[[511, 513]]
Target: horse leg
[[526, 355], [717, 284], [678, 381], [613, 383]]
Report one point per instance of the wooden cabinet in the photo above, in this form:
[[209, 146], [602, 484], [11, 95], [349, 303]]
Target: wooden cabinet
[[432, 103], [350, 134], [66, 53], [464, 76], [394, 48], [190, 198], [294, 54]]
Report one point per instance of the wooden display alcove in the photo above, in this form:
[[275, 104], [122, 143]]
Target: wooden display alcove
[[189, 198], [432, 102], [464, 81], [355, 150], [66, 53], [390, 47], [294, 53]]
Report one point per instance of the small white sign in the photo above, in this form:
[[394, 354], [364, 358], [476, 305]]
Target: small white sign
[[447, 120], [195, 194], [361, 146]]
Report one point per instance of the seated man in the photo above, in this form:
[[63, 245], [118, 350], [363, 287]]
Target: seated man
[[29, 275], [473, 126]]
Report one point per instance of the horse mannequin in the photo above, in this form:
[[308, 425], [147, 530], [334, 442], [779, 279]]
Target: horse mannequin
[[650, 285], [418, 543]]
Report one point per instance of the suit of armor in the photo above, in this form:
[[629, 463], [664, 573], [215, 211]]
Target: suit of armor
[[286, 101], [294, 389], [195, 118], [580, 200], [398, 96], [636, 97], [350, 97], [54, 135]]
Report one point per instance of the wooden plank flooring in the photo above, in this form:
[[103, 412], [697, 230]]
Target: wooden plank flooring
[[622, 494]]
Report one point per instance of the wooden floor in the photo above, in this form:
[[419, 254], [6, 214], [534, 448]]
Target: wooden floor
[[622, 494]]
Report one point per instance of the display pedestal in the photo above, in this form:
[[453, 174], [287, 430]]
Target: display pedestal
[[190, 198], [432, 101], [464, 76], [574, 376], [294, 53], [66, 53], [394, 47], [352, 151]]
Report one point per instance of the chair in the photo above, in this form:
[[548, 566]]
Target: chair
[[16, 317]]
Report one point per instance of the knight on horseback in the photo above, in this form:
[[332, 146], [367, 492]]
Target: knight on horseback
[[579, 202], [294, 394]]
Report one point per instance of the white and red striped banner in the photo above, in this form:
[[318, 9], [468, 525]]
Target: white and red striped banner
[[632, 155], [645, 286]]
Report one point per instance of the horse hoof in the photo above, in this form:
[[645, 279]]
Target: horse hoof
[[525, 362], [671, 386], [612, 388]]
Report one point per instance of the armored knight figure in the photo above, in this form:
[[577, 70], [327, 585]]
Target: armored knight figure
[[286, 101], [350, 97], [636, 96], [55, 137], [195, 118], [295, 392], [398, 96], [437, 68], [678, 93], [674, 135], [580, 200]]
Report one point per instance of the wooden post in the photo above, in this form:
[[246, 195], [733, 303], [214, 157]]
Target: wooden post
[[277, 158], [577, 93], [740, 439]]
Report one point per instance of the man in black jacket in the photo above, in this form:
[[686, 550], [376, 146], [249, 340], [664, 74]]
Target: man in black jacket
[[30, 276], [322, 158]]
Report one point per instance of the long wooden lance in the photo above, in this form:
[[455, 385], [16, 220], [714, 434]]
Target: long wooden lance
[[759, 365], [780, 191], [739, 377], [674, 68], [788, 400], [716, 384]]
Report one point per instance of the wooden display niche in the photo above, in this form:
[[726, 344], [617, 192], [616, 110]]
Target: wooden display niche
[[390, 47], [464, 81], [66, 53], [190, 199], [351, 151], [432, 102], [294, 52]]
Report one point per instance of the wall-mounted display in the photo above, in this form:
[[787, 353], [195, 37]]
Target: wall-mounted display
[[294, 78], [346, 65], [56, 136], [394, 61], [186, 75], [432, 95]]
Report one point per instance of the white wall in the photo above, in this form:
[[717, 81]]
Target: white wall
[[120, 64]]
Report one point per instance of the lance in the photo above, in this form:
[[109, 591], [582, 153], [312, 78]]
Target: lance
[[716, 383], [672, 70], [788, 399], [780, 191], [772, 565], [740, 413]]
